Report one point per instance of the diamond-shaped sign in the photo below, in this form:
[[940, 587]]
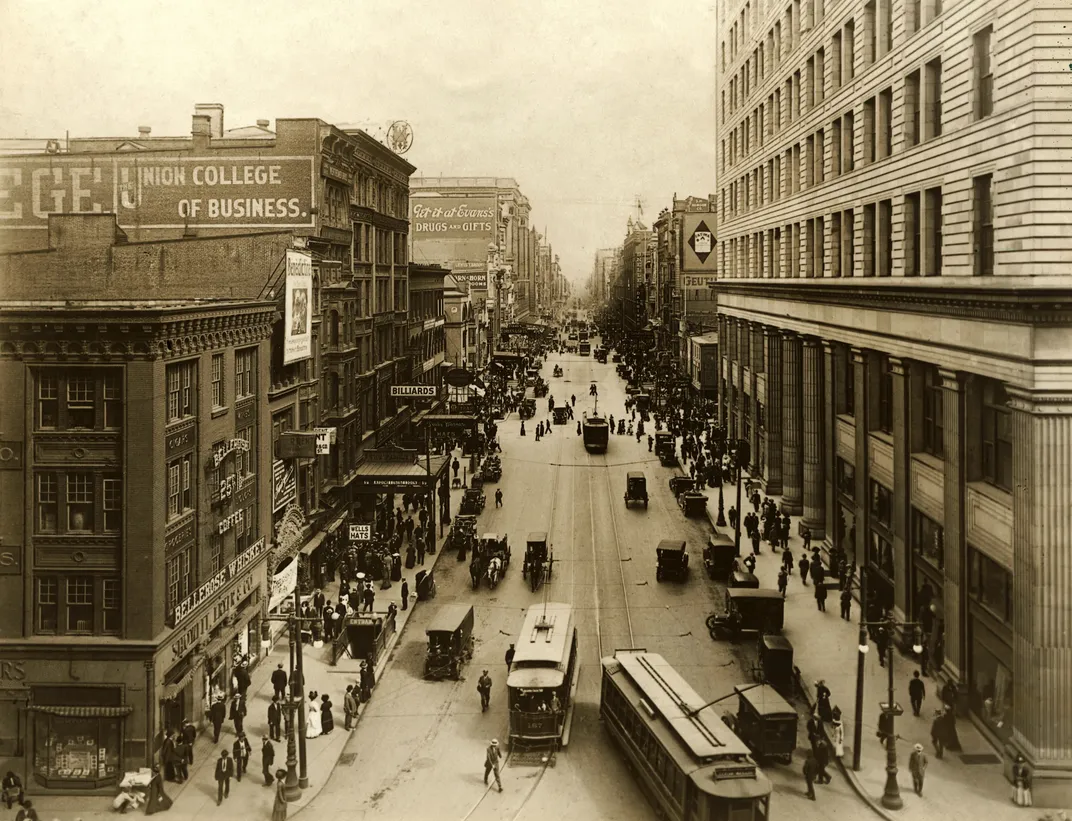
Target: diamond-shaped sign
[[702, 241]]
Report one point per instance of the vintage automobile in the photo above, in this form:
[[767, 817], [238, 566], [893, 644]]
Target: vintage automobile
[[492, 468], [761, 611], [601, 355], [557, 371], [720, 557], [540, 389], [450, 641], [672, 560], [692, 503], [680, 484], [538, 560], [616, 357], [527, 408], [741, 577], [473, 502], [643, 401], [765, 721], [666, 448], [560, 415], [636, 488], [774, 664]]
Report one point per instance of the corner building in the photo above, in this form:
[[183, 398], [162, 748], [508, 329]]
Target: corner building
[[894, 325]]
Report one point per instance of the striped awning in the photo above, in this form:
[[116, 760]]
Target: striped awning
[[85, 711], [172, 690]]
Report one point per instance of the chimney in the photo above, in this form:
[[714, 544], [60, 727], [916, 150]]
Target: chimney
[[202, 130], [214, 111], [263, 124], [144, 131]]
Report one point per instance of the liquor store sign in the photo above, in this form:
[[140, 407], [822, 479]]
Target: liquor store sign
[[159, 191], [240, 568]]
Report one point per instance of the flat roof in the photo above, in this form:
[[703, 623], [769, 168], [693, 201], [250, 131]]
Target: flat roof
[[545, 635], [449, 618], [404, 469]]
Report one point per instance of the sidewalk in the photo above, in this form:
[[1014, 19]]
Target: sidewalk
[[250, 798], [825, 647]]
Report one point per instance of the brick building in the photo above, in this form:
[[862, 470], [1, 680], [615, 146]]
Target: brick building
[[894, 325]]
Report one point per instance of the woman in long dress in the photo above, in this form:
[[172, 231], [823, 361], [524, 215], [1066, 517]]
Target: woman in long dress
[[312, 722], [158, 799], [279, 808], [327, 720]]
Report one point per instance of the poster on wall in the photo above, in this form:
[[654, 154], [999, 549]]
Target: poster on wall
[[298, 319], [284, 484], [283, 584]]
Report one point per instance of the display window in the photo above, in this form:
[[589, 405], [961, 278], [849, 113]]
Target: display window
[[991, 684], [77, 736]]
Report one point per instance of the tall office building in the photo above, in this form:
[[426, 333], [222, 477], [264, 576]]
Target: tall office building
[[895, 321]]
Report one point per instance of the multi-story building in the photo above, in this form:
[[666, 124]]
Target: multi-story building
[[460, 325], [632, 290], [427, 343], [604, 274], [136, 490], [895, 330]]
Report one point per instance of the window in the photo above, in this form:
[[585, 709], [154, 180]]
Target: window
[[847, 237], [848, 53], [870, 23], [983, 225], [933, 439], [846, 478], [913, 16], [932, 118], [48, 403], [881, 555], [113, 400], [835, 244], [179, 492], [794, 169], [911, 110], [48, 502], [245, 372], [78, 604], [820, 75], [885, 395], [990, 585], [911, 235], [246, 532], [215, 551], [835, 148], [809, 69], [819, 155], [80, 503], [984, 77], [997, 436], [870, 132], [932, 199], [179, 583], [848, 142], [869, 240], [885, 26], [850, 387], [835, 61], [181, 378], [112, 606], [885, 123], [92, 399], [928, 539], [245, 463], [819, 249], [48, 606], [80, 404], [881, 506], [884, 240], [113, 505], [217, 381]]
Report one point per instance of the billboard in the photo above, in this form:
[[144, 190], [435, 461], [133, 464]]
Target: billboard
[[452, 229], [284, 484], [698, 243], [298, 318], [152, 191]]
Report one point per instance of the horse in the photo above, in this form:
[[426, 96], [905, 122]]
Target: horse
[[494, 571]]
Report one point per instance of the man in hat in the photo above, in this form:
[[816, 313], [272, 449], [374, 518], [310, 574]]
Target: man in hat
[[349, 706], [916, 692], [491, 763], [242, 750], [267, 757], [189, 736], [224, 771], [216, 714], [279, 681], [509, 657], [242, 679], [917, 765], [275, 719], [483, 686]]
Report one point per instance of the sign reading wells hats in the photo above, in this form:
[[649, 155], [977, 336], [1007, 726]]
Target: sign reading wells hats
[[360, 533], [418, 391], [298, 318], [698, 255], [458, 377]]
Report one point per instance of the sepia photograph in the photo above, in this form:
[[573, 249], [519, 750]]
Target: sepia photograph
[[477, 410]]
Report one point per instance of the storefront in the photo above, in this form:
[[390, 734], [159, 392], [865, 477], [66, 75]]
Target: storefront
[[845, 519], [216, 627], [77, 747], [928, 583], [881, 566], [990, 680]]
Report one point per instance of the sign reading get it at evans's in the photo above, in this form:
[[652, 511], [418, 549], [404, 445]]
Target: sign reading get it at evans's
[[159, 192]]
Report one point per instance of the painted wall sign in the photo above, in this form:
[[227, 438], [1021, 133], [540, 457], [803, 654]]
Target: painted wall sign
[[237, 565], [10, 560]]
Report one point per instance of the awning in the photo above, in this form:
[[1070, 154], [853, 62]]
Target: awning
[[214, 647], [84, 711], [313, 543], [397, 477], [173, 690]]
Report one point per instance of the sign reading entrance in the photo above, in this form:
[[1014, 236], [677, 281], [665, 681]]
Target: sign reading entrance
[[419, 391]]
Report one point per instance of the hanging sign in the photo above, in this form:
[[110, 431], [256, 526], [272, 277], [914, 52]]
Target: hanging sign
[[360, 533]]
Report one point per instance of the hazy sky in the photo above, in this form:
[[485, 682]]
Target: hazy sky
[[587, 104]]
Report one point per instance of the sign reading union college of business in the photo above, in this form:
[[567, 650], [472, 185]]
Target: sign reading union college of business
[[159, 192]]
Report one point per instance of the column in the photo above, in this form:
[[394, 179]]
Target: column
[[1042, 587], [743, 399], [755, 350], [792, 426], [830, 412], [902, 454], [773, 345], [723, 371], [953, 597], [861, 468], [813, 456]]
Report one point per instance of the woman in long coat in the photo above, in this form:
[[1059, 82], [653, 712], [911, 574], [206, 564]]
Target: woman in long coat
[[279, 808], [327, 720], [158, 800]]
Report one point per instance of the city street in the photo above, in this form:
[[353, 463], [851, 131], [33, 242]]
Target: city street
[[418, 750]]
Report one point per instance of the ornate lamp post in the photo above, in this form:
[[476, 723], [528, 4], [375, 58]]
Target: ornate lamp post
[[742, 455], [720, 451]]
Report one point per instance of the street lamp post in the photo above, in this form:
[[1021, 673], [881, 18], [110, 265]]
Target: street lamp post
[[720, 451], [741, 457]]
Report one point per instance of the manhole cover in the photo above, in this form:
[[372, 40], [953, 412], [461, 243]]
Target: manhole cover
[[347, 759], [980, 758]]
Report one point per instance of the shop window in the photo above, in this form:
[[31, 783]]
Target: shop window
[[990, 585], [881, 555], [881, 505], [991, 684], [933, 436], [928, 539], [92, 399], [996, 434], [77, 736], [846, 478]]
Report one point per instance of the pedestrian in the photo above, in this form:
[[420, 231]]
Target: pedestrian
[[1021, 782], [483, 686], [804, 566], [327, 719], [491, 763], [787, 559], [267, 758], [167, 755], [367, 681], [755, 501], [242, 677], [405, 594], [750, 563], [455, 466], [822, 701], [157, 800], [578, 427], [224, 772], [783, 582], [349, 707], [275, 719], [651, 441], [755, 541], [917, 691], [369, 597], [509, 657], [882, 642], [238, 712], [822, 760], [820, 597], [837, 733], [12, 789], [241, 750], [279, 806], [498, 497], [811, 769], [216, 714], [846, 604], [818, 572], [732, 515], [420, 547], [178, 759], [806, 534], [917, 765], [28, 813], [938, 732]]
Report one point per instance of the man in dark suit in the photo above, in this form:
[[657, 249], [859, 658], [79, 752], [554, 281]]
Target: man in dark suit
[[279, 681], [189, 735], [275, 719], [224, 772], [216, 714]]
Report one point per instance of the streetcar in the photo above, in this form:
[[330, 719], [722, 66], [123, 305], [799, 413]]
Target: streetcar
[[685, 757], [542, 681], [596, 431]]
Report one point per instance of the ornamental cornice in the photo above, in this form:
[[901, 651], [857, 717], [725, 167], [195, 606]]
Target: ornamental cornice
[[1040, 402]]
